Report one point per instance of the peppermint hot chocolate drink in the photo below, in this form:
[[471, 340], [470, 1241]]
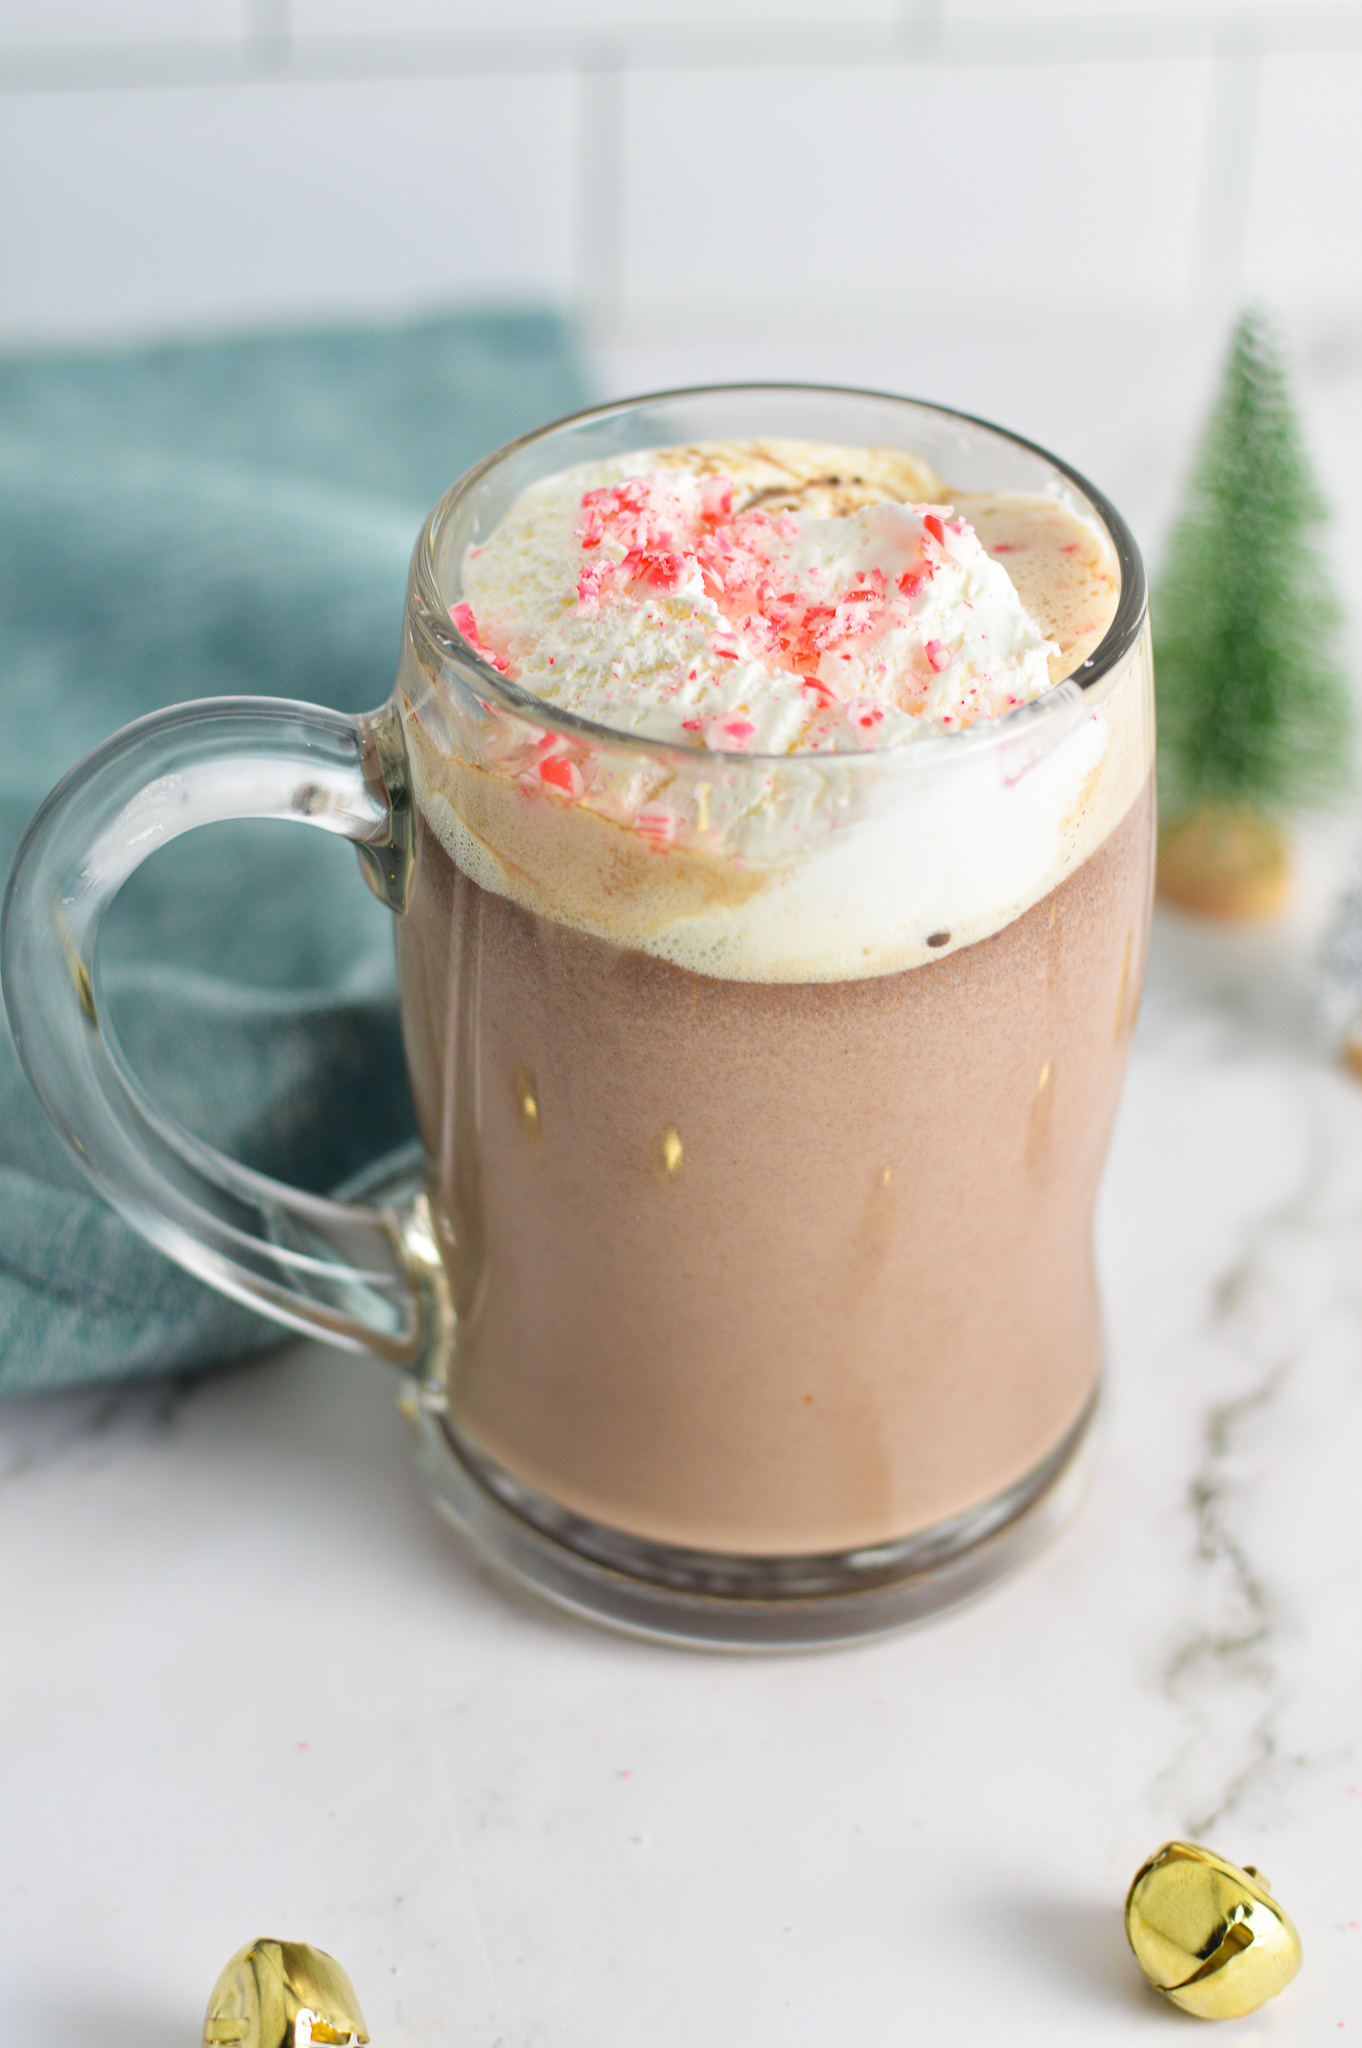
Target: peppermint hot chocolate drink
[[767, 1060]]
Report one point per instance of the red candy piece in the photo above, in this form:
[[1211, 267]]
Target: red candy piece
[[462, 615], [731, 734], [716, 499], [560, 773], [664, 571], [657, 827]]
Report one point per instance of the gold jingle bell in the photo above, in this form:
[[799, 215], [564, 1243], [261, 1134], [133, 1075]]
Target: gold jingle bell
[[1209, 1935], [282, 1994]]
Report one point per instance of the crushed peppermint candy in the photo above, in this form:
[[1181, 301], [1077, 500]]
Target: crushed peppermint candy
[[463, 618], [648, 603]]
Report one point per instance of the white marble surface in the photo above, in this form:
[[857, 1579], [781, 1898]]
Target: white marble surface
[[251, 1684]]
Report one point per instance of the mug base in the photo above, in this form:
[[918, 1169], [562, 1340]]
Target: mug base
[[710, 1600]]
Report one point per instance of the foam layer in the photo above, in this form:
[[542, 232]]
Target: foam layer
[[813, 866]]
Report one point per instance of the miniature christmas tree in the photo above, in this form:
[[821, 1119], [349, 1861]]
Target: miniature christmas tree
[[1254, 713]]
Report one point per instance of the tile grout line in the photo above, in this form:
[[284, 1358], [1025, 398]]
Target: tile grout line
[[1231, 148], [598, 209], [267, 34]]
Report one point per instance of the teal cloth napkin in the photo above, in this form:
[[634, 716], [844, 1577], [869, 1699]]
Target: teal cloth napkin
[[197, 521]]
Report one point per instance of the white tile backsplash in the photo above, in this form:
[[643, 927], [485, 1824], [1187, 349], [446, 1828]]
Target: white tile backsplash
[[132, 211], [242, 160], [77, 24], [940, 188], [1304, 232]]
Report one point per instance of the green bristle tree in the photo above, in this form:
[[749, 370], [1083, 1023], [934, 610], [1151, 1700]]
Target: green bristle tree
[[1255, 716]]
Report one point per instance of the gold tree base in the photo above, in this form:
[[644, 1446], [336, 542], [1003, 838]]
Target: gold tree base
[[1227, 861]]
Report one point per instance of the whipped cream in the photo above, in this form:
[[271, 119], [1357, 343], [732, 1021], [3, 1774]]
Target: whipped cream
[[811, 654], [648, 601]]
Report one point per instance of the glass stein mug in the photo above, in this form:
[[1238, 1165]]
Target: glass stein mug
[[743, 1291]]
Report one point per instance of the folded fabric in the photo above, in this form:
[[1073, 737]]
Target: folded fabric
[[205, 520]]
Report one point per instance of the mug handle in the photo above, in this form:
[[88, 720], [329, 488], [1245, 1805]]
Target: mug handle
[[367, 1279]]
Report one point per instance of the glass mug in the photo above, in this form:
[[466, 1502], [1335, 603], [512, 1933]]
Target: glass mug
[[744, 1300]]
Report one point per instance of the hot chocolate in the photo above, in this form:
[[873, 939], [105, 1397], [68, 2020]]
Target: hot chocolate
[[767, 1070]]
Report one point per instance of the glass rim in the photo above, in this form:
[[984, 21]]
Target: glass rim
[[428, 612]]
